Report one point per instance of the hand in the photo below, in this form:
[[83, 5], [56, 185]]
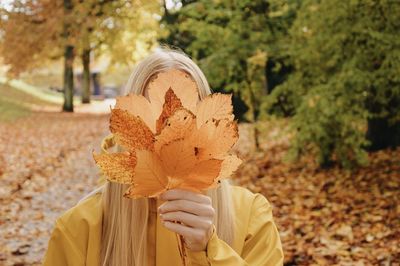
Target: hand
[[188, 214]]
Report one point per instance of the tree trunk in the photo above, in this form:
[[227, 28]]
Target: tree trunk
[[68, 60], [86, 76], [68, 79]]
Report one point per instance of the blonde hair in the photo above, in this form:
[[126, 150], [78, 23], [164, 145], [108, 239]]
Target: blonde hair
[[124, 235]]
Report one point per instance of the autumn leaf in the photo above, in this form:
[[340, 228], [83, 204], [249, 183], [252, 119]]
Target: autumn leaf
[[137, 105], [178, 157], [214, 138], [150, 178], [130, 131], [203, 175], [178, 154], [180, 82], [229, 165], [179, 125], [171, 104], [120, 166], [215, 107], [153, 111]]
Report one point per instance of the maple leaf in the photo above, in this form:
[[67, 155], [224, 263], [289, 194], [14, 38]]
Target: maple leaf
[[137, 105], [180, 152], [216, 106], [119, 166], [180, 82], [152, 111], [130, 131], [171, 104]]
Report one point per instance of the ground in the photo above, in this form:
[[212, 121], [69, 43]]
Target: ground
[[47, 167], [325, 217]]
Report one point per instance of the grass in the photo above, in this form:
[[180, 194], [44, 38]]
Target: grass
[[17, 99], [16, 103], [9, 111], [47, 96]]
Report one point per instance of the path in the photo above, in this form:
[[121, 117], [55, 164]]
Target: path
[[48, 168]]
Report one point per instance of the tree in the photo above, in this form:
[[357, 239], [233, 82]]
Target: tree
[[102, 25], [36, 31], [345, 90], [29, 35], [171, 18], [233, 41], [68, 57]]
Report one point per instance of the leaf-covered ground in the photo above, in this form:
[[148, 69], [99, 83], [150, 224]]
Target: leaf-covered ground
[[45, 168], [325, 217]]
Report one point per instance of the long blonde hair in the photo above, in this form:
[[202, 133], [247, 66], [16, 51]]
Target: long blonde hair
[[124, 235]]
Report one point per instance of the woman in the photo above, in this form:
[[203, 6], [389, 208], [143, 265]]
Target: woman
[[228, 226]]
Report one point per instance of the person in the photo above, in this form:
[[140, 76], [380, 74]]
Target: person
[[228, 225]]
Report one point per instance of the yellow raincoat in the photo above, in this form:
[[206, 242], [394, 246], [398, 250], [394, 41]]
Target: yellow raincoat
[[76, 237]]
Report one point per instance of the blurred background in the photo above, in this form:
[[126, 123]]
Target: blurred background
[[316, 88]]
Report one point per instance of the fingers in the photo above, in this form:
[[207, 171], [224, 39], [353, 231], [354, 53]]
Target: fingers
[[187, 206], [187, 219], [175, 194], [188, 214], [185, 231]]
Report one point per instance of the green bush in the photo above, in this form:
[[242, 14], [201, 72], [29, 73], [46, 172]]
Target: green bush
[[346, 56], [332, 66]]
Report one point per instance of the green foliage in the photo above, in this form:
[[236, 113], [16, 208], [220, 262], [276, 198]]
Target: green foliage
[[336, 65], [346, 56], [232, 41], [330, 123]]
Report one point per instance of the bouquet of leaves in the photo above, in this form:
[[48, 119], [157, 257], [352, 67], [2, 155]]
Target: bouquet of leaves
[[172, 140]]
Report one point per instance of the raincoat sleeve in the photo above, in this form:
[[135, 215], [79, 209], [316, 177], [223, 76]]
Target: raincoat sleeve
[[62, 249], [262, 245]]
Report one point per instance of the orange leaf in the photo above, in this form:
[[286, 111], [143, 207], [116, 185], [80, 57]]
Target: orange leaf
[[130, 131], [150, 179], [182, 85], [178, 158], [137, 105], [118, 167], [216, 106], [191, 145], [214, 139], [202, 175], [229, 165], [171, 104], [180, 125]]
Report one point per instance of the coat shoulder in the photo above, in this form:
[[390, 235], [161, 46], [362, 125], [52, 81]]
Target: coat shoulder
[[76, 236], [251, 209], [85, 216], [242, 198]]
